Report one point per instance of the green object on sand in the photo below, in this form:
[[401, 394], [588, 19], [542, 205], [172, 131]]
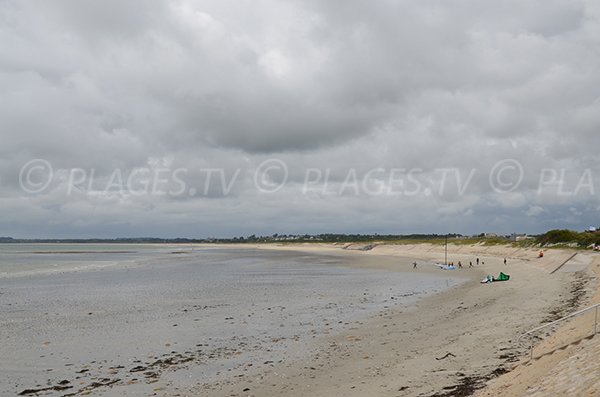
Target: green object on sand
[[490, 279], [502, 277]]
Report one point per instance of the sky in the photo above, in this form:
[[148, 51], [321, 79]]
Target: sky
[[229, 118]]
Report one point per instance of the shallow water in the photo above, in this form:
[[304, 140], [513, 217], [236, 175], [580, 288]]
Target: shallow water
[[208, 312], [24, 259]]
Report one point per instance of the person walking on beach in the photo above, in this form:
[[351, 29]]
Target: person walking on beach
[[459, 265], [414, 265], [477, 261], [505, 261], [470, 263]]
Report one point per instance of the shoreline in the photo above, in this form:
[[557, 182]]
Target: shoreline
[[479, 325], [457, 342]]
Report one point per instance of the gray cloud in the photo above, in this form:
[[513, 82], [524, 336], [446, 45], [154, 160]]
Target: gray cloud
[[201, 85]]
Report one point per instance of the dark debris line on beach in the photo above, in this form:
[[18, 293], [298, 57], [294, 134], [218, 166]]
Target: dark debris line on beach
[[143, 372], [62, 385], [577, 295], [467, 385], [149, 371]]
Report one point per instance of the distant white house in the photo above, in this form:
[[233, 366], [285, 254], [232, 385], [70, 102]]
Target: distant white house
[[519, 237]]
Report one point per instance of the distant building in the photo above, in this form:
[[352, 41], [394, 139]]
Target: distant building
[[519, 237]]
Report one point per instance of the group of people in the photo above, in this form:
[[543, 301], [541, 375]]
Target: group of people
[[459, 264]]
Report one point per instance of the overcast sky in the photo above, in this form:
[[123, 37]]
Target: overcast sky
[[226, 118]]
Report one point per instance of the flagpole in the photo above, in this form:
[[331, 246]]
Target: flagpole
[[446, 251]]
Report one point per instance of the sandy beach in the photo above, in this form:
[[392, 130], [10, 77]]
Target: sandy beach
[[451, 344], [365, 336]]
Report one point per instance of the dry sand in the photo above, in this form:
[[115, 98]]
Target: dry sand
[[565, 362], [450, 344]]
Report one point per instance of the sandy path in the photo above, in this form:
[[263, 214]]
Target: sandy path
[[450, 344]]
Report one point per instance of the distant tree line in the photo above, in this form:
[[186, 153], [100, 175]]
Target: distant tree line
[[563, 236], [328, 237], [552, 237]]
